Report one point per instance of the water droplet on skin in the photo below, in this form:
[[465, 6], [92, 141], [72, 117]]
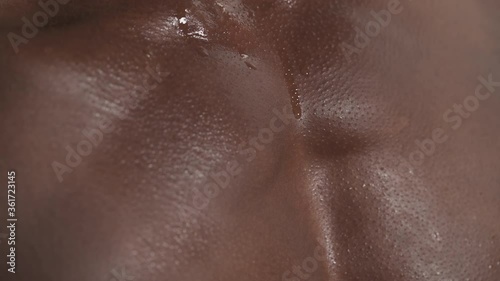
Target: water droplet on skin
[[294, 93], [183, 25], [436, 236], [250, 65]]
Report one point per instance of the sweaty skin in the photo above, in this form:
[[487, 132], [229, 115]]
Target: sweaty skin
[[247, 140]]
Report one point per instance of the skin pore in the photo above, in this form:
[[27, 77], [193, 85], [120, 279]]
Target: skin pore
[[254, 140]]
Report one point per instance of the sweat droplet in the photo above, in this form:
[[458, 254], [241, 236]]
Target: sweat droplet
[[183, 25], [294, 93], [191, 27], [250, 65]]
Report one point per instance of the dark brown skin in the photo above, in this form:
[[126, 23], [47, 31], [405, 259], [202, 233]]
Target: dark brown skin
[[334, 185]]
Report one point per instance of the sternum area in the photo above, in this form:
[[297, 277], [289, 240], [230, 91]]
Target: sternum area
[[293, 91]]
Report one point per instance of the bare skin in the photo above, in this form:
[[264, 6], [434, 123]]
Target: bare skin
[[312, 148]]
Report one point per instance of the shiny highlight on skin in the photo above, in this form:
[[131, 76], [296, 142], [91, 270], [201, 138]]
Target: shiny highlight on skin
[[333, 177]]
